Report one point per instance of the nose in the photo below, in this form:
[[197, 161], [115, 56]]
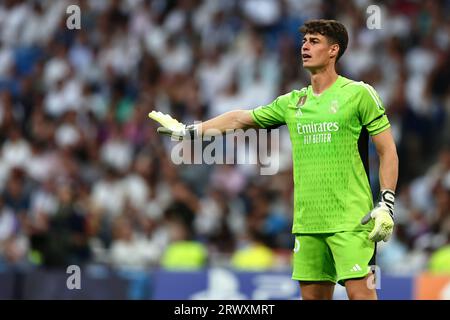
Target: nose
[[305, 47]]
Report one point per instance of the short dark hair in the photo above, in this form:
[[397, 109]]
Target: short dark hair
[[333, 30]]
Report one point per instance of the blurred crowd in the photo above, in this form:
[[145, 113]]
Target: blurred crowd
[[85, 179]]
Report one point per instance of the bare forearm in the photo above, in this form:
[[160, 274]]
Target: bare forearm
[[388, 170], [237, 119], [387, 152]]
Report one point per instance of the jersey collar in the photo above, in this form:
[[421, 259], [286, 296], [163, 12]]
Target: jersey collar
[[330, 88]]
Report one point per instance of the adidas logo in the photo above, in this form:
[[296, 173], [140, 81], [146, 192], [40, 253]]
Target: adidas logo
[[356, 267]]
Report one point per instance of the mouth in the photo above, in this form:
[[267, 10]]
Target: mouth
[[306, 56]]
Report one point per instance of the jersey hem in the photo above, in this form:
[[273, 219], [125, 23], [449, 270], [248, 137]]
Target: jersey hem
[[296, 231]]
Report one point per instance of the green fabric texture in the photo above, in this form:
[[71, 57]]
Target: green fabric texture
[[331, 188]]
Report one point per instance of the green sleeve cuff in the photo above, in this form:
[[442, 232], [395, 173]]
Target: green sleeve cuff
[[255, 118], [387, 125]]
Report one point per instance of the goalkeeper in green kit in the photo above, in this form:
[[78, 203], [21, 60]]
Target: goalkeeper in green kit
[[336, 224]]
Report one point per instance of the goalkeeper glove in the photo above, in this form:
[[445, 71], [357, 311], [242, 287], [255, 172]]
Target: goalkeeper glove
[[172, 127], [383, 214]]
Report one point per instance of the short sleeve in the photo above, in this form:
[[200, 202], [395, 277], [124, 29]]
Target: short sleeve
[[273, 114], [371, 111]]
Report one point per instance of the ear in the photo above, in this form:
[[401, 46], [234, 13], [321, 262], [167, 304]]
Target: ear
[[334, 50]]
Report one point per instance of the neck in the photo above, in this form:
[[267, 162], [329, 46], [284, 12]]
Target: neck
[[322, 79]]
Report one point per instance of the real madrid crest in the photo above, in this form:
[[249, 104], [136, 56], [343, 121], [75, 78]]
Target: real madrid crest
[[334, 106]]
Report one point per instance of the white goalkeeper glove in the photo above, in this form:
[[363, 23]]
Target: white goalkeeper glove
[[172, 127], [383, 214]]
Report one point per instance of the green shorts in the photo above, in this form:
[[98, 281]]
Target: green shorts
[[334, 257]]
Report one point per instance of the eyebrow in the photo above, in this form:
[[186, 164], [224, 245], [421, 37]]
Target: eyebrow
[[311, 38]]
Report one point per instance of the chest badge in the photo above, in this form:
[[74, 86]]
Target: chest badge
[[300, 103], [334, 108]]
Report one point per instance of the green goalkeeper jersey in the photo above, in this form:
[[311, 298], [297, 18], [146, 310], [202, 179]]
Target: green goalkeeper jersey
[[330, 135]]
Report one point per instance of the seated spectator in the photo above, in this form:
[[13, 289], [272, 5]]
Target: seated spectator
[[183, 253], [13, 245], [66, 241], [440, 260], [129, 250], [253, 255]]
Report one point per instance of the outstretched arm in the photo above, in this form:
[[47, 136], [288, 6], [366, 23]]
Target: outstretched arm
[[232, 120]]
